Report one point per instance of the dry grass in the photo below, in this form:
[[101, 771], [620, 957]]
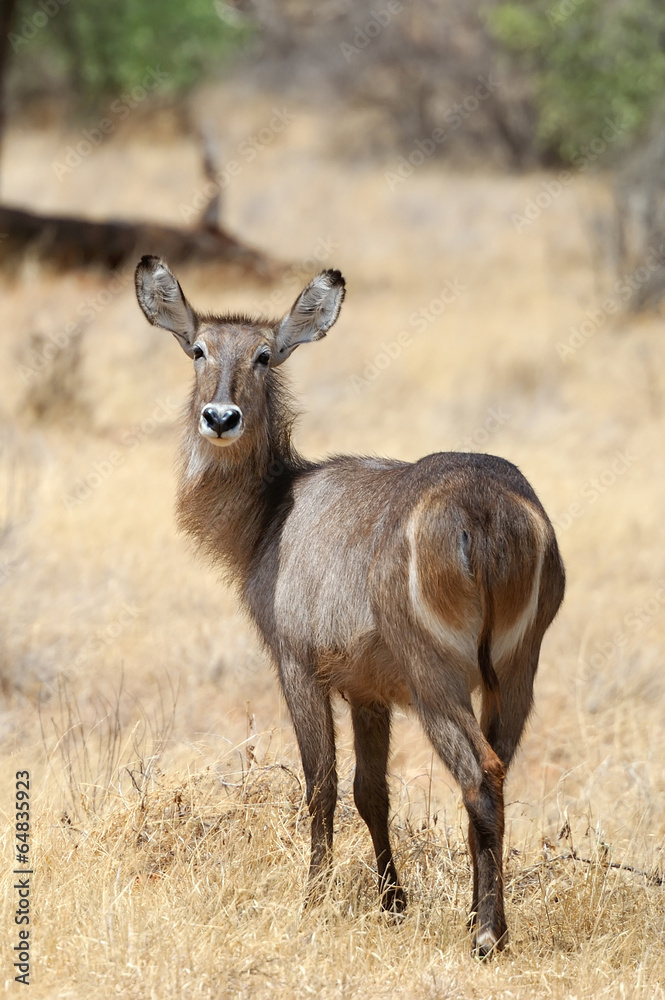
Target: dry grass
[[167, 880], [169, 835]]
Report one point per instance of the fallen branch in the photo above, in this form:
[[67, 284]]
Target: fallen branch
[[651, 877], [620, 866], [69, 242]]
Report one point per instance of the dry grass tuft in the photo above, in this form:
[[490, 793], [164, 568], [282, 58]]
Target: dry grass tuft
[[57, 393]]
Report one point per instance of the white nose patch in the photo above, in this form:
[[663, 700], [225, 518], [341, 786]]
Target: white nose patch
[[221, 424]]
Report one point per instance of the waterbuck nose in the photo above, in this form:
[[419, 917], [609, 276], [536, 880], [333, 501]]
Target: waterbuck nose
[[220, 421]]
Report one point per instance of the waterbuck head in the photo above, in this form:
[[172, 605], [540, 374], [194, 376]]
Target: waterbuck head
[[234, 355]]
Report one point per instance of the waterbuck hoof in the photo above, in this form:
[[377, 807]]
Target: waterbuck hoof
[[393, 902], [486, 944]]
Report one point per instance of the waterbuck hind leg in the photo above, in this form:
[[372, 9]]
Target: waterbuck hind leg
[[459, 742], [311, 713], [473, 851], [486, 824], [503, 725], [371, 733]]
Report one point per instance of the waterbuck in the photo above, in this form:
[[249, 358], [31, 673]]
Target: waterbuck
[[389, 582]]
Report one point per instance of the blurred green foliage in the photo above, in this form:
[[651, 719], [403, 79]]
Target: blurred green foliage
[[589, 61], [101, 48]]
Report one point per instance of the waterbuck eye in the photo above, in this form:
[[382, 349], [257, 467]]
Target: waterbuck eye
[[197, 352], [263, 358]]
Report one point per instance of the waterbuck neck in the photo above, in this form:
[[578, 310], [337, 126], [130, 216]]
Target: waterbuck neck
[[228, 498]]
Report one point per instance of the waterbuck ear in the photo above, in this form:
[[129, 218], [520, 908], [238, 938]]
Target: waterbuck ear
[[161, 299], [313, 313]]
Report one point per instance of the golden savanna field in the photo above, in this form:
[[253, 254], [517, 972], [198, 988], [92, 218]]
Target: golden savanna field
[[170, 838]]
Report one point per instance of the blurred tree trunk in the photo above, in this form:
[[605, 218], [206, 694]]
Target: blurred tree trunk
[[7, 9]]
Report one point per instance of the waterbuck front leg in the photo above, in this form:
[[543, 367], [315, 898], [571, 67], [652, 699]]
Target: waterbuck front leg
[[371, 733], [311, 714]]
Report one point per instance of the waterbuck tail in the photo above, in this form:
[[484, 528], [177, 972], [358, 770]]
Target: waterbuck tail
[[485, 664]]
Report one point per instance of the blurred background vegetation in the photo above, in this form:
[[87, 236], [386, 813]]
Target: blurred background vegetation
[[92, 52], [585, 61], [564, 66], [557, 77]]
